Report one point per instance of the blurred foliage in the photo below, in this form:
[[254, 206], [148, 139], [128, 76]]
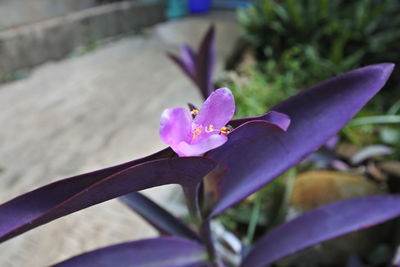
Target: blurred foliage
[[343, 32], [255, 92], [299, 43], [326, 37], [261, 211]]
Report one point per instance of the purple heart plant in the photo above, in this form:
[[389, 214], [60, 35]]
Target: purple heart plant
[[218, 162], [199, 67]]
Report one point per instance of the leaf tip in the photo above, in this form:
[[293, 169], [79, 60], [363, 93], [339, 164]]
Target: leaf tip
[[386, 69]]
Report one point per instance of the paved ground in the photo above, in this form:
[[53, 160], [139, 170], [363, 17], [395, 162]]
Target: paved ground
[[86, 113]]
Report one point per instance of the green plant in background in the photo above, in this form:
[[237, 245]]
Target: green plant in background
[[261, 211], [301, 42], [261, 85], [337, 29], [327, 37], [254, 91]]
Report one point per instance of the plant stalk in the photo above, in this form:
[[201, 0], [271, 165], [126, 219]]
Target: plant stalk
[[193, 205], [255, 214], [208, 239]]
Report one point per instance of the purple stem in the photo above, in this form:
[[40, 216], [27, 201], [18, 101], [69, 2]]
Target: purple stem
[[208, 239], [190, 193]]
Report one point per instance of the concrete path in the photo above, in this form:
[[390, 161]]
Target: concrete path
[[86, 113]]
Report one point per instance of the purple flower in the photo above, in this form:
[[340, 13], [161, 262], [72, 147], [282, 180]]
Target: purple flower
[[193, 137]]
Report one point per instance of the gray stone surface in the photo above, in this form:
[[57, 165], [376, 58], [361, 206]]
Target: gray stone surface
[[14, 13], [86, 113], [54, 39]]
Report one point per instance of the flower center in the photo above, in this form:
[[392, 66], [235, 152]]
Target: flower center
[[210, 128], [196, 132]]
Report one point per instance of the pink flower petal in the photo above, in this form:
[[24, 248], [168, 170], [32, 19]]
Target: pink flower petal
[[175, 126], [217, 110], [206, 144]]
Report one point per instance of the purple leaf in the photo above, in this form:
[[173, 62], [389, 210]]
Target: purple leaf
[[332, 142], [200, 66], [354, 261], [189, 58], [241, 138], [158, 217], [277, 118], [191, 107], [205, 63], [69, 195], [316, 114], [157, 252], [182, 65], [321, 224]]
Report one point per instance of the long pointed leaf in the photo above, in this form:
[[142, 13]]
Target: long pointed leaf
[[158, 252], [69, 195], [183, 66], [205, 63], [200, 66], [189, 57], [316, 115], [162, 220], [321, 224]]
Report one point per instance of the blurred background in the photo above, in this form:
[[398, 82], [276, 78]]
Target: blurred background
[[83, 84]]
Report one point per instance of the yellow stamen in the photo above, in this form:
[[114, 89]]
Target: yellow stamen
[[210, 128], [196, 133], [225, 130], [194, 112]]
